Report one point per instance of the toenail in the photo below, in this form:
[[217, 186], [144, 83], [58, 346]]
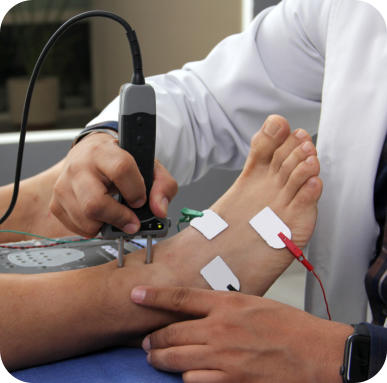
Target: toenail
[[271, 127], [301, 134], [310, 160], [307, 147]]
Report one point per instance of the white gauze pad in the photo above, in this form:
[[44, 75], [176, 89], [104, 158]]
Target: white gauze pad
[[218, 275], [210, 224], [268, 225]]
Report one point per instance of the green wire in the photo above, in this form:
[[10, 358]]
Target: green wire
[[59, 241]]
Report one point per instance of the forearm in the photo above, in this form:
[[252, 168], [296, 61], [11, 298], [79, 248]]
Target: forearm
[[31, 213], [47, 317], [52, 316]]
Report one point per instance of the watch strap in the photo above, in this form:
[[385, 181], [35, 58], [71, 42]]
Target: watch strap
[[361, 329]]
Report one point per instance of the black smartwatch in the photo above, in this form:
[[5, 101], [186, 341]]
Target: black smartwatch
[[355, 367]]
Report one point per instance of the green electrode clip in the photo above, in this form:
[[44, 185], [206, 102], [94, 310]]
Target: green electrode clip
[[188, 215]]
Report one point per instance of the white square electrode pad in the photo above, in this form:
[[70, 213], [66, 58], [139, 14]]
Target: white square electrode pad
[[210, 224], [268, 225], [219, 276]]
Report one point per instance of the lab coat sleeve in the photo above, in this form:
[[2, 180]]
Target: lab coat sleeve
[[208, 111]]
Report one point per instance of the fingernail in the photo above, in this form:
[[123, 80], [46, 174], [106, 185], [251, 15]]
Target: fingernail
[[307, 146], [140, 202], [138, 295], [131, 228], [146, 344], [164, 205], [301, 134], [271, 127]]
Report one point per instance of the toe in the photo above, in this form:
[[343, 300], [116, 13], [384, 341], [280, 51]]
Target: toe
[[303, 209], [284, 151], [273, 133], [308, 194], [299, 176], [299, 154]]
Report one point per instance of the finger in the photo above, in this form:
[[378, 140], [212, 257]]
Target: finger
[[180, 299], [164, 188], [183, 358], [97, 207], [177, 334], [122, 170], [205, 376]]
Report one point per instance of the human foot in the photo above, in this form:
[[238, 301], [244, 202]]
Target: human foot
[[281, 171]]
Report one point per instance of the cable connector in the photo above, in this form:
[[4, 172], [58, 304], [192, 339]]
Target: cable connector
[[296, 251], [188, 215]]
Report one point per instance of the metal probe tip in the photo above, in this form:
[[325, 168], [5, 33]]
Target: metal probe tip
[[148, 258], [121, 252]]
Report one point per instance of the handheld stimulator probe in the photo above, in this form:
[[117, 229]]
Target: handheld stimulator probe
[[137, 132], [137, 135]]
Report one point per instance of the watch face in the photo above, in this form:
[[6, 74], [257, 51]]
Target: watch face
[[358, 358]]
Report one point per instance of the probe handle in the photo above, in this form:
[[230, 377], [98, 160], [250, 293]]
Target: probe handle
[[137, 135]]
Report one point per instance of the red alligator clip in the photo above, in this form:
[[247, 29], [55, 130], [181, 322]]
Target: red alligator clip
[[296, 251]]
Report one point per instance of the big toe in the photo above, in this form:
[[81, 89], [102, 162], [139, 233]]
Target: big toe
[[271, 136]]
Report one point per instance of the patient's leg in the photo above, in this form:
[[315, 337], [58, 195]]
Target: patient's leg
[[280, 172], [53, 316]]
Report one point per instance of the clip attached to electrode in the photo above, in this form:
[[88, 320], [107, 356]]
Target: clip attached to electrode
[[267, 224], [277, 235]]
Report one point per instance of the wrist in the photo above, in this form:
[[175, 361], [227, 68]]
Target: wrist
[[332, 344], [91, 131]]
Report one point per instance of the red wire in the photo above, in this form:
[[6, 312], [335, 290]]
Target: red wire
[[298, 254], [323, 291]]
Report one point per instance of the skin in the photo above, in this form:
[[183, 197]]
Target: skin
[[240, 338], [57, 315], [92, 171], [31, 213]]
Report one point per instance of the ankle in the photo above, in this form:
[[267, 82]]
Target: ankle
[[255, 264]]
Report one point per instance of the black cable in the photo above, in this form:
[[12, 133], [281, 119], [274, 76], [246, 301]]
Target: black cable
[[137, 78]]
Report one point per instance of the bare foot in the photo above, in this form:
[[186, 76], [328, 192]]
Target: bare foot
[[281, 172]]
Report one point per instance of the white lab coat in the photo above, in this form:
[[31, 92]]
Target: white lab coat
[[321, 64]]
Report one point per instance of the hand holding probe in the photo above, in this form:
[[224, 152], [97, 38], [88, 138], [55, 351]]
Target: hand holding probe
[[137, 135]]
